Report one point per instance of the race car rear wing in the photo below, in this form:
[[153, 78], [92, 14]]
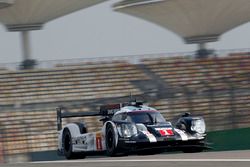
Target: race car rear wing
[[62, 112], [105, 110]]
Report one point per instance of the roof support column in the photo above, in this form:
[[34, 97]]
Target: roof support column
[[28, 62], [25, 30], [203, 52], [202, 46], [25, 35]]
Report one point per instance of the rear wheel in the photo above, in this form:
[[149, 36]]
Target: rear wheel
[[110, 141], [67, 146]]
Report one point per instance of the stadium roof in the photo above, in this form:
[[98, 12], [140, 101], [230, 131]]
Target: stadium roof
[[27, 15], [32, 14], [196, 21], [5, 3]]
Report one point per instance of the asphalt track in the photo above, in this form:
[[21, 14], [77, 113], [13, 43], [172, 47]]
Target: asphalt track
[[205, 159]]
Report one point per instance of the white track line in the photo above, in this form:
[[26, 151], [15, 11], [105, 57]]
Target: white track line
[[144, 160]]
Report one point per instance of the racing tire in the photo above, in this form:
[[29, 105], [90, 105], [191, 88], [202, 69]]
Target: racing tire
[[67, 146], [111, 149]]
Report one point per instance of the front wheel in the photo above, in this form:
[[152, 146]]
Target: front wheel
[[110, 141]]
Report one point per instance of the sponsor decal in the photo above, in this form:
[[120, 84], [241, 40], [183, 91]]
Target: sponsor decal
[[98, 141], [80, 140], [165, 131], [150, 136], [183, 135]]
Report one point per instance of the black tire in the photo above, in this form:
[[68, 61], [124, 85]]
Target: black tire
[[67, 146], [111, 149]]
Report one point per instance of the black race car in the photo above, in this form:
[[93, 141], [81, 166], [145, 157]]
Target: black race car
[[129, 127]]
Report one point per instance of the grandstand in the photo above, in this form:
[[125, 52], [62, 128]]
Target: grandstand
[[216, 87], [79, 82]]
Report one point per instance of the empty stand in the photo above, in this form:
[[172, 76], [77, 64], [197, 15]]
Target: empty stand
[[216, 88], [33, 131], [203, 74], [69, 83]]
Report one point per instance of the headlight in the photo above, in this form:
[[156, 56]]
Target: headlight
[[198, 125], [127, 130]]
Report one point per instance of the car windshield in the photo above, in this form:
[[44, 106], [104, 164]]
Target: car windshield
[[151, 117]]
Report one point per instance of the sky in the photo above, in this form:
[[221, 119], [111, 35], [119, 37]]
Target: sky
[[99, 31]]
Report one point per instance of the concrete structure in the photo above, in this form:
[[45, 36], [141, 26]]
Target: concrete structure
[[196, 21], [28, 15], [5, 3]]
